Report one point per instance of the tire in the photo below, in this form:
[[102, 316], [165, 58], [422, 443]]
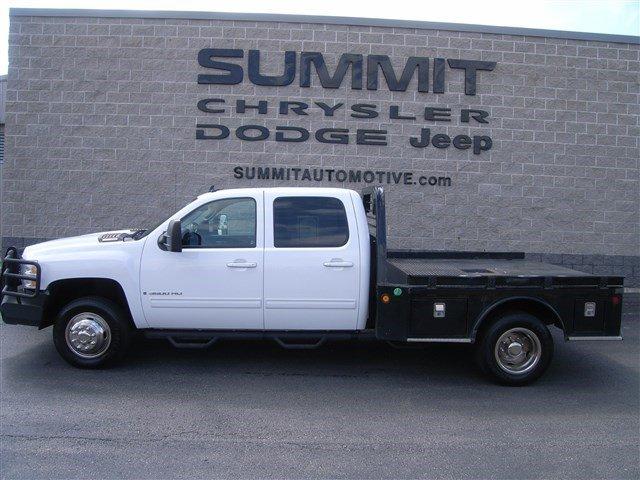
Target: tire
[[515, 350], [87, 320]]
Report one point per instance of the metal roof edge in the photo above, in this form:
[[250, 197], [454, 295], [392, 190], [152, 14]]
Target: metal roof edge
[[288, 18]]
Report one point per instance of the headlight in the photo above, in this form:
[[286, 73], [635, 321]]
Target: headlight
[[29, 270]]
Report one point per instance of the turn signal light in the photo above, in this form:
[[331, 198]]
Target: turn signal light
[[385, 298]]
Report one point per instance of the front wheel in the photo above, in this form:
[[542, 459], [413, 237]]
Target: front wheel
[[515, 350], [92, 332]]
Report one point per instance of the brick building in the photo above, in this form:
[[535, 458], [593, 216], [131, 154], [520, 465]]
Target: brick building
[[486, 138]]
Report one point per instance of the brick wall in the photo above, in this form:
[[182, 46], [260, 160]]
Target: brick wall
[[101, 116]]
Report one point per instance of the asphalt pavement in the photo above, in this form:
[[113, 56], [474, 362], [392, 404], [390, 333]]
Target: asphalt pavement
[[365, 410]]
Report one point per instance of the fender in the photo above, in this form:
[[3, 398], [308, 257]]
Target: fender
[[502, 302]]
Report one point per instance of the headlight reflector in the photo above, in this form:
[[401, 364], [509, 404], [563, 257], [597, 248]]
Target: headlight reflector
[[29, 270]]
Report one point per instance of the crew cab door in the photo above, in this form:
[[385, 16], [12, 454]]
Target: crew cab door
[[312, 274], [215, 282]]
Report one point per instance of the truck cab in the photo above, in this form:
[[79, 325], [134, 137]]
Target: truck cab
[[300, 266], [272, 259]]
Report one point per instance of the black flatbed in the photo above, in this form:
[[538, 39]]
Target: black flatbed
[[471, 287], [473, 268]]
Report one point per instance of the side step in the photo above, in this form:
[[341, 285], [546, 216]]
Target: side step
[[291, 340]]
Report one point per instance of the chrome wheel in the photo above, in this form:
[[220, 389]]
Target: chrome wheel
[[518, 350], [88, 335]]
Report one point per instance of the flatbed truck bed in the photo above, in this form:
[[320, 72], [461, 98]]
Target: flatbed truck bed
[[437, 296]]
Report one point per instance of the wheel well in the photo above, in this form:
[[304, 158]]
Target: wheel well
[[537, 308], [61, 292]]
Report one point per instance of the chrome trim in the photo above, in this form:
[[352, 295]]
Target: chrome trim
[[88, 335], [440, 340], [518, 351], [600, 338]]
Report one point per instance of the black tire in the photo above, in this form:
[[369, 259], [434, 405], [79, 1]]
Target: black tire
[[118, 334], [499, 370]]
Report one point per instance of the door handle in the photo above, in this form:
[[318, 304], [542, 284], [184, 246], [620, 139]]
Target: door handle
[[338, 264], [239, 264]]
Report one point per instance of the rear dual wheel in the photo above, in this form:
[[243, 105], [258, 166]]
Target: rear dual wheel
[[516, 349]]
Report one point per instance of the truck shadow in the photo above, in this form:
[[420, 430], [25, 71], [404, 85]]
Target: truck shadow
[[155, 368]]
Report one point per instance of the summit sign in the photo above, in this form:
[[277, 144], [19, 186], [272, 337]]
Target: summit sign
[[230, 66]]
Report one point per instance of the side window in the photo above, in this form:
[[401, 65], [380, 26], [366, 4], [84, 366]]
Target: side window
[[309, 222], [225, 223]]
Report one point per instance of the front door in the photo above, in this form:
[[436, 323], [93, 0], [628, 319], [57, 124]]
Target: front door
[[311, 279], [216, 281]]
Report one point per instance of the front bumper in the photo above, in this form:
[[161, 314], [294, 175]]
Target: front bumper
[[20, 306], [24, 311]]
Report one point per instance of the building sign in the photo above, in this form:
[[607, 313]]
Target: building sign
[[365, 72]]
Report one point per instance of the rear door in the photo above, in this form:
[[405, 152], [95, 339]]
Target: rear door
[[312, 274]]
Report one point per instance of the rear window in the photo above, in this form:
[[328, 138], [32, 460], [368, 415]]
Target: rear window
[[301, 222]]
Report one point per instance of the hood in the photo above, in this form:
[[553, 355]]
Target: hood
[[91, 241]]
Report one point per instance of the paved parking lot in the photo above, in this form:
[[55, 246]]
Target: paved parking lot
[[250, 409]]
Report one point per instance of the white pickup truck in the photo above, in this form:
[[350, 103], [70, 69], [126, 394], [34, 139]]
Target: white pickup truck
[[300, 266]]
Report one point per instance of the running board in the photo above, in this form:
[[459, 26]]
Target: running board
[[311, 339], [595, 338], [301, 346]]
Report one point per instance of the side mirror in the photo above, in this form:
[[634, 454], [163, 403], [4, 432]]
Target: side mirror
[[171, 240]]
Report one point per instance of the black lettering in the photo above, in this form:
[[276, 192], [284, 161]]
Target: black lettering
[[441, 140], [304, 134], [341, 176], [306, 175], [462, 142], [355, 176], [200, 133], [408, 178], [241, 133], [237, 172], [316, 177], [397, 176], [263, 173], [203, 105], [394, 114], [317, 60], [375, 62], [252, 175], [478, 115], [235, 73], [333, 135], [241, 106], [368, 176], [296, 107], [438, 75], [481, 143], [437, 114], [364, 110], [371, 137], [277, 173], [272, 81], [470, 68], [328, 111], [425, 136]]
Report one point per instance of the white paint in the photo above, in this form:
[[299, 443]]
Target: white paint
[[229, 288]]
